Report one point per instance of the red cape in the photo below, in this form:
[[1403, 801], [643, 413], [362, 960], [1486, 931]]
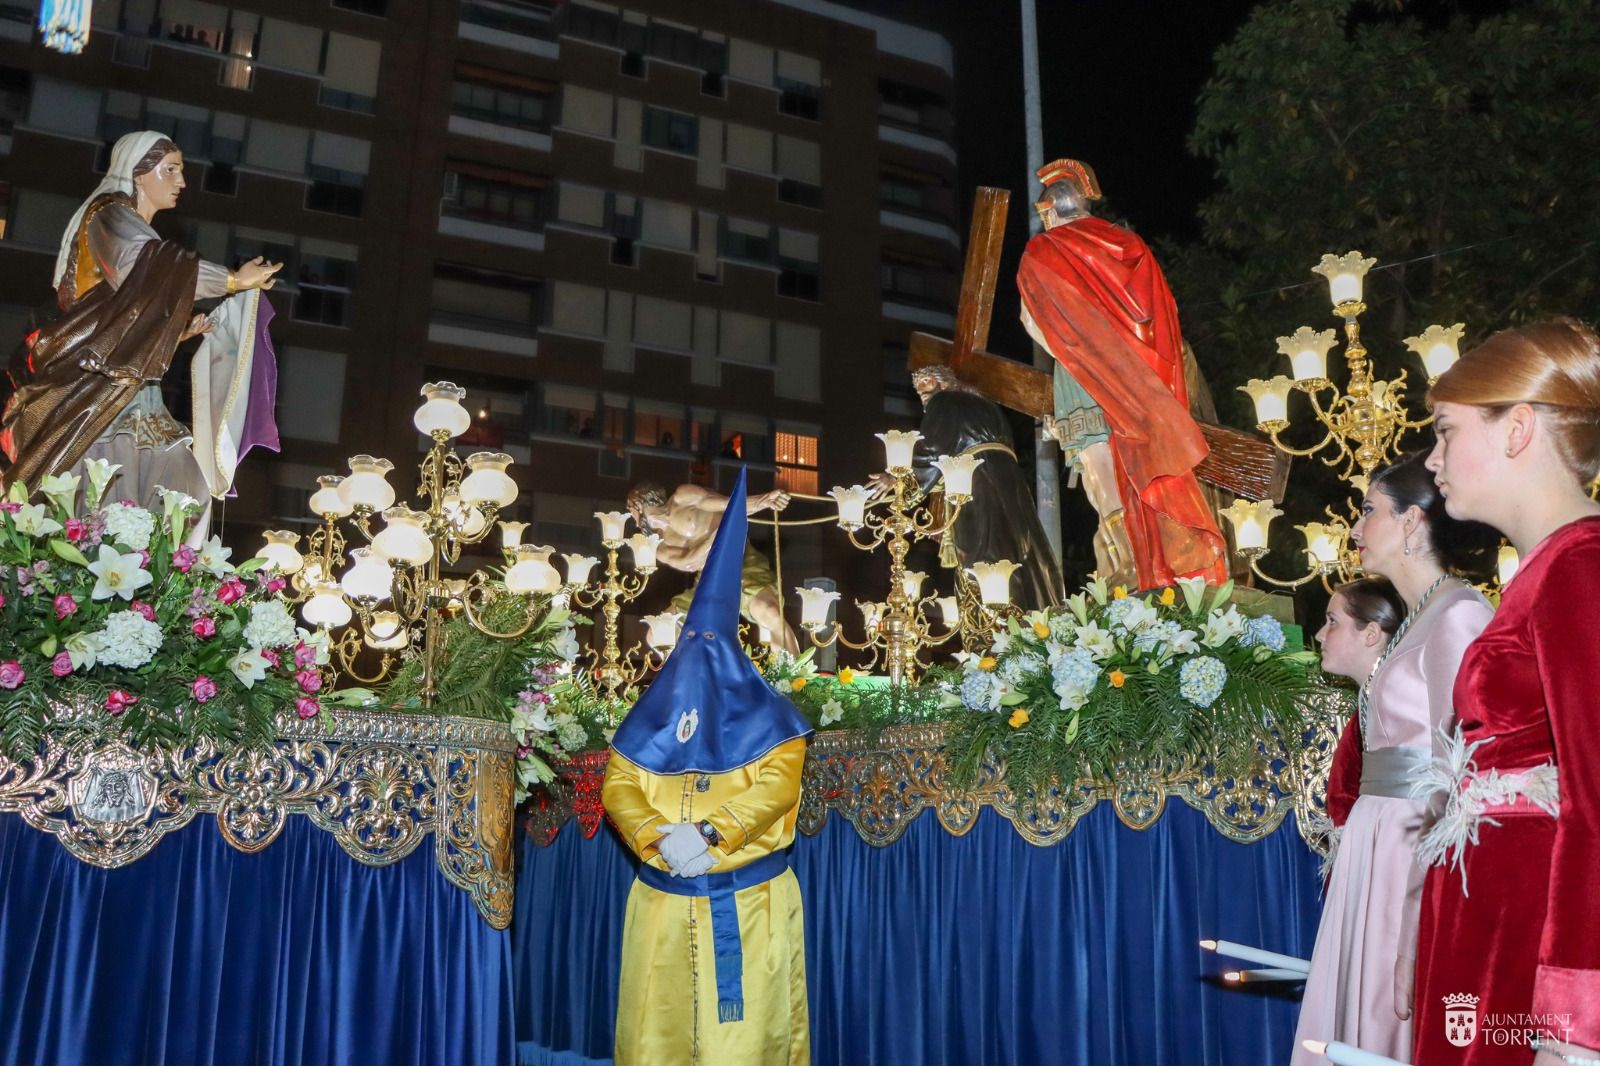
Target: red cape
[[1102, 303]]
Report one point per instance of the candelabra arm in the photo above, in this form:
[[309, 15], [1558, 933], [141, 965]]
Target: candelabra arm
[[1255, 569], [479, 590]]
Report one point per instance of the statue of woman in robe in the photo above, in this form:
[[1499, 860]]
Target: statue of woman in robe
[[88, 384]]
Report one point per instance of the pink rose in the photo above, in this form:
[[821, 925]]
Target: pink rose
[[523, 751], [7, 507], [230, 591], [204, 627], [183, 559], [276, 585], [65, 605], [119, 701], [61, 665], [304, 655], [12, 675], [144, 559], [271, 656], [306, 707], [310, 681], [75, 530], [143, 609], [127, 502], [203, 689]]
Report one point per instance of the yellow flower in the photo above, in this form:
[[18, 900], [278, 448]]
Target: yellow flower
[[1168, 597], [847, 676], [798, 683], [1117, 678], [1120, 592], [1019, 718], [988, 662], [1041, 630]]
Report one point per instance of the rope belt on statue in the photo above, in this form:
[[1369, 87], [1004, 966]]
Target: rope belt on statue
[[720, 889], [991, 446]]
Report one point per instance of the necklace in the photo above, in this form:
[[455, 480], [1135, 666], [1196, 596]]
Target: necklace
[[1364, 703]]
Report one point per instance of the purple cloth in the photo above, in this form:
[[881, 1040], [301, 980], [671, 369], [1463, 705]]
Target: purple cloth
[[260, 422]]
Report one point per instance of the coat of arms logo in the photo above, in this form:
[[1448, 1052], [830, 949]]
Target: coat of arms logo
[[1460, 1018], [112, 787]]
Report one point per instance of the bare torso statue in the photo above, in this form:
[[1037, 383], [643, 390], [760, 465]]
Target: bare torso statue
[[687, 521]]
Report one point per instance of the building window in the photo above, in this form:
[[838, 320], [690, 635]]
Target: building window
[[378, 8], [16, 86], [502, 198], [920, 281], [486, 299], [601, 27], [521, 17], [658, 425], [802, 193], [800, 100], [673, 43], [899, 398], [502, 105], [798, 280], [339, 192], [566, 411], [796, 457], [671, 131], [912, 108], [749, 241], [324, 281]]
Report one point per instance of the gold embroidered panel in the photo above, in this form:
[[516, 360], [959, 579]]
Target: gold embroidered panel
[[380, 782], [881, 785]]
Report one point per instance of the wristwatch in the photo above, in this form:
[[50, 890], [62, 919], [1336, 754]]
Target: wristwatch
[[709, 831]]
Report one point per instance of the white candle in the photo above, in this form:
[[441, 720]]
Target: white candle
[[1249, 954], [1270, 974]]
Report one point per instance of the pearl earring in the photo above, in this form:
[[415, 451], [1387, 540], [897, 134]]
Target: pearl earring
[[1508, 453], [1408, 543]]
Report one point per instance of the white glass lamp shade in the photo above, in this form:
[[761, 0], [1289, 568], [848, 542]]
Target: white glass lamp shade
[[911, 583], [531, 573], [367, 487], [1271, 398], [1324, 542], [1439, 347], [487, 482], [950, 611], [613, 526], [387, 632], [313, 574], [1307, 350], [403, 538], [644, 550], [898, 447], [511, 534], [471, 521], [1345, 274], [814, 605], [279, 549], [326, 609], [662, 631], [441, 410], [327, 501], [1250, 522], [1506, 564], [994, 581], [369, 579], [579, 567], [956, 471], [852, 503], [871, 613]]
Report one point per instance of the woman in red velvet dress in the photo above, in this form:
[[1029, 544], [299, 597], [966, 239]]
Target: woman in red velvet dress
[[1509, 956]]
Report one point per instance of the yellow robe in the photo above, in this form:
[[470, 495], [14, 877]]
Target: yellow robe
[[667, 998]]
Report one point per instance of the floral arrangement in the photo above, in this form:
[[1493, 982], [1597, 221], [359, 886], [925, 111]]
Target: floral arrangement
[[855, 699], [1179, 672], [559, 715], [109, 607]]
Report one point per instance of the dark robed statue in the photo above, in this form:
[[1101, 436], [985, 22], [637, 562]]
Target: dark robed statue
[[1001, 522]]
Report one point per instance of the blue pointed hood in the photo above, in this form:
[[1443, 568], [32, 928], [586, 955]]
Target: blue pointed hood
[[709, 710]]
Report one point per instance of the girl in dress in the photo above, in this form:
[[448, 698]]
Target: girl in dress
[[1358, 991], [1510, 952]]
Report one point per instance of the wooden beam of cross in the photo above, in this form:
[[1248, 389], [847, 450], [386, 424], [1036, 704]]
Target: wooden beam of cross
[[1241, 463]]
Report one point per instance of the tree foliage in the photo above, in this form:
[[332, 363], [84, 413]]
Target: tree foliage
[[1460, 150]]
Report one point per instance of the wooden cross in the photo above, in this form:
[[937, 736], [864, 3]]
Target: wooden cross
[[1241, 463]]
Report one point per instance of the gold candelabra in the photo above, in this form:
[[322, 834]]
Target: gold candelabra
[[614, 668], [898, 629], [403, 562], [1362, 424]]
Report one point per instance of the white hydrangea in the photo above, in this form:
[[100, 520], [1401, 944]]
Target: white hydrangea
[[129, 640], [129, 526], [569, 731], [270, 626]]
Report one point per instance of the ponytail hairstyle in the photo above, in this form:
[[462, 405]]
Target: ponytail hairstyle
[[1373, 599]]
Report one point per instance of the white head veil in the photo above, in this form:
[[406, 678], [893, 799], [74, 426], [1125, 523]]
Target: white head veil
[[125, 155]]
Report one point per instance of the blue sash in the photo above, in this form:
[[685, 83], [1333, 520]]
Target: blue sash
[[719, 888]]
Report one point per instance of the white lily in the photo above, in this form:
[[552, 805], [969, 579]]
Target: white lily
[[61, 490], [83, 649], [832, 711], [249, 666], [32, 520], [213, 558], [177, 506], [1194, 593], [117, 574], [101, 473], [1221, 627], [1140, 615], [1096, 641]]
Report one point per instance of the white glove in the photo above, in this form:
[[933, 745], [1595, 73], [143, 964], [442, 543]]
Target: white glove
[[679, 843], [701, 863]]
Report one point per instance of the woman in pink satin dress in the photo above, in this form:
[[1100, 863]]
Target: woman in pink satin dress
[[1359, 988]]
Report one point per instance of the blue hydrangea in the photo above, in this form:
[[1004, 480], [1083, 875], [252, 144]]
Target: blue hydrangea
[[980, 691], [1264, 631], [1157, 636], [1076, 667], [1117, 611], [1017, 668], [1201, 679]]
